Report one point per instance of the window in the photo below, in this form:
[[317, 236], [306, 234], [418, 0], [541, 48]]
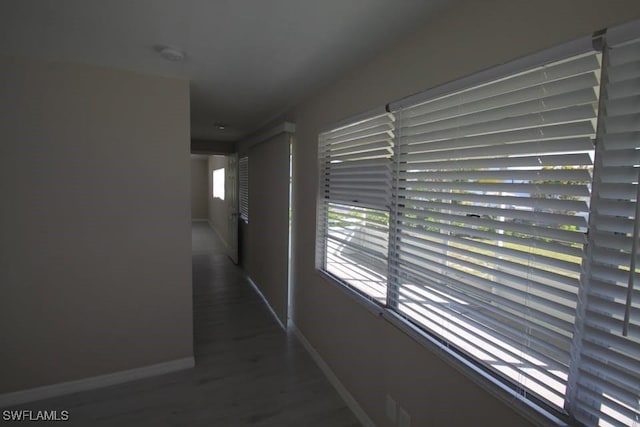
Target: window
[[355, 164], [243, 166], [491, 214], [218, 183], [503, 221]]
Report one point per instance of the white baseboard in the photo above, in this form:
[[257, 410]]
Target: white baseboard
[[60, 389], [348, 398], [215, 230], [266, 302]]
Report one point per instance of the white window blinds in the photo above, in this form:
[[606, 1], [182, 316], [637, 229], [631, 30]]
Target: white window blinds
[[606, 369], [491, 212], [243, 183], [355, 169], [500, 214]]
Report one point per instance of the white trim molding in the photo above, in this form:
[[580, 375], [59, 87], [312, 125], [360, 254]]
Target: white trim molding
[[348, 398], [266, 302], [85, 384], [215, 230], [262, 136]]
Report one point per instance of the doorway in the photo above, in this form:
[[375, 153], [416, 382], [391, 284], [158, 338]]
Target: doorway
[[265, 237]]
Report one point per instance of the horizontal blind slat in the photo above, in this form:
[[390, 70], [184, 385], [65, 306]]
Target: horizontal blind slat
[[534, 175], [534, 204], [577, 90], [558, 160], [558, 131], [411, 206], [502, 150]]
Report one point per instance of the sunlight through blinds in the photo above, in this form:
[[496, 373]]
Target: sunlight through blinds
[[491, 208], [355, 176]]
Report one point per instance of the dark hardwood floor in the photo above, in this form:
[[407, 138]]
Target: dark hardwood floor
[[249, 372]]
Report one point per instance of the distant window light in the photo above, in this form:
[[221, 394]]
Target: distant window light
[[218, 184]]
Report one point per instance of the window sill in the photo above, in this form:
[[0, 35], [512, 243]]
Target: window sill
[[528, 409]]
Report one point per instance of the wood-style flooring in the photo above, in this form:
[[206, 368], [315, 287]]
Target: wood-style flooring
[[249, 372]]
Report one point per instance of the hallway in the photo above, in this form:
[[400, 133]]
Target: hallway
[[263, 376], [248, 371]]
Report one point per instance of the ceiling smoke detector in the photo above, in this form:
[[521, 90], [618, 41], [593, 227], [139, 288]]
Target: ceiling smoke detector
[[170, 54]]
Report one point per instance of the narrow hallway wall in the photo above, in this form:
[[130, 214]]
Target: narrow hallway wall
[[199, 188]]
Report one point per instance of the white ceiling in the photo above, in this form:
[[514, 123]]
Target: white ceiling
[[248, 61]]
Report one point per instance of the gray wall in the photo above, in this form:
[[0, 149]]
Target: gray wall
[[370, 356], [218, 209], [265, 244], [199, 187], [95, 265]]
